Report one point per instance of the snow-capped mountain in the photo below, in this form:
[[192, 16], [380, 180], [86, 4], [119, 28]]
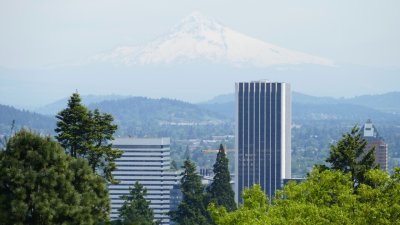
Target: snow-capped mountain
[[198, 37]]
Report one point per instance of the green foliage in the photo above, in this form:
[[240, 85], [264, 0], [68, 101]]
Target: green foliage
[[379, 199], [40, 184], [350, 156], [325, 197], [252, 212], [135, 210], [101, 155], [220, 191], [73, 126], [192, 209], [85, 134]]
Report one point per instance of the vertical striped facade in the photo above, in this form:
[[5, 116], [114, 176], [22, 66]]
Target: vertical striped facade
[[148, 162], [263, 136]]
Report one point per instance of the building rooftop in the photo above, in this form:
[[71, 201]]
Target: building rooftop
[[369, 130], [141, 141]]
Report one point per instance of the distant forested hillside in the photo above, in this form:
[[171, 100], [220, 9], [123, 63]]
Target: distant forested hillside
[[384, 102], [23, 118], [55, 107], [317, 123], [140, 116]]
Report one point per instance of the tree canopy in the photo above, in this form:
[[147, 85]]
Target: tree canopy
[[220, 190], [350, 155], [86, 134], [40, 184], [325, 197], [252, 212]]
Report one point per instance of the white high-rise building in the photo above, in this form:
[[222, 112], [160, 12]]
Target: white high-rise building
[[263, 136], [148, 162]]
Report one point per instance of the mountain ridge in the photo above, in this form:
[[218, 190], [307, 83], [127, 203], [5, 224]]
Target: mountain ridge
[[12, 119], [135, 114], [384, 102]]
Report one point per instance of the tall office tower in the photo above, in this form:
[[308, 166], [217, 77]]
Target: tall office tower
[[148, 162], [370, 133], [263, 136]]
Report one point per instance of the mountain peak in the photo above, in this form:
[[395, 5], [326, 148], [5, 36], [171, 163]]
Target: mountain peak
[[199, 37], [198, 21]]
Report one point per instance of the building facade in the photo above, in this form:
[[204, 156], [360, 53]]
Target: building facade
[[148, 162], [370, 133], [263, 136]]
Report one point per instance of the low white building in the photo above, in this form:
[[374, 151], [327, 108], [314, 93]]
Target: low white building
[[148, 162]]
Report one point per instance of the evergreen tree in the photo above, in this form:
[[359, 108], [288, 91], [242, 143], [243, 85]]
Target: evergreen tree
[[86, 134], [101, 155], [192, 209], [350, 155], [135, 210], [220, 191], [73, 127], [40, 184]]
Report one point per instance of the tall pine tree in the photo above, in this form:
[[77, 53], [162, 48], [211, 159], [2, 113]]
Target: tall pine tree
[[136, 210], [220, 191], [192, 209], [350, 155], [73, 126], [101, 155], [86, 134]]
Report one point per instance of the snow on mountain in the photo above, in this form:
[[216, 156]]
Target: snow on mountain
[[198, 37]]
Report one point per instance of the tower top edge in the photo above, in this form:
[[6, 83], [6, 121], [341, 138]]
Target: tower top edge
[[261, 81]]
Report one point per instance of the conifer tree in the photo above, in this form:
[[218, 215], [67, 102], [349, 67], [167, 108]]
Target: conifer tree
[[86, 134], [192, 209], [135, 210], [350, 155], [220, 191], [101, 155], [73, 127]]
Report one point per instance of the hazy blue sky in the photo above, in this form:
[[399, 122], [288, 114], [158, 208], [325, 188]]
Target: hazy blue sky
[[41, 33]]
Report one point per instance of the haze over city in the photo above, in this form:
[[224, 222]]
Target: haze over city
[[51, 49], [199, 112]]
